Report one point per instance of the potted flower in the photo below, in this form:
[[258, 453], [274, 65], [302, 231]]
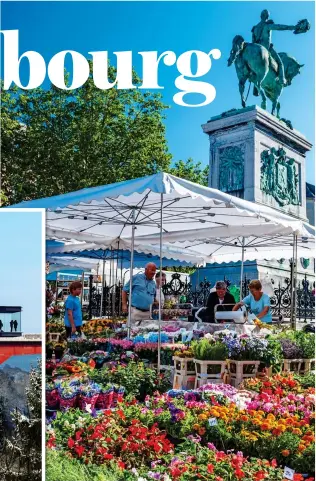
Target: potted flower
[[105, 398], [210, 361], [99, 357], [67, 396], [52, 397], [49, 350], [184, 367], [89, 394], [59, 348], [244, 354]]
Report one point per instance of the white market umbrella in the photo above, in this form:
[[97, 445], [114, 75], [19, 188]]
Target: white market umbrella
[[159, 203]]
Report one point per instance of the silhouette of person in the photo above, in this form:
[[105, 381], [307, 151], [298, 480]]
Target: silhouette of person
[[15, 325], [11, 325]]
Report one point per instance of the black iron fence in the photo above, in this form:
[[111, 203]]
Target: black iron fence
[[197, 295]]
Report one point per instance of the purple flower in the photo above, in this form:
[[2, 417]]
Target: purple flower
[[195, 439], [211, 446]]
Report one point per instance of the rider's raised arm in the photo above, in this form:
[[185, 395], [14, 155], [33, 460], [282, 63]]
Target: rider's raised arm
[[278, 26]]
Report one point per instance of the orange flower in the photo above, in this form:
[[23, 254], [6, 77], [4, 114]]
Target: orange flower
[[285, 452], [301, 448]]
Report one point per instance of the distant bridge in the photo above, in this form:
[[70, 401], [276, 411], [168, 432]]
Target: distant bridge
[[19, 346]]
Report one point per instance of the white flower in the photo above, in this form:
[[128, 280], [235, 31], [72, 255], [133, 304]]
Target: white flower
[[67, 424], [209, 336]]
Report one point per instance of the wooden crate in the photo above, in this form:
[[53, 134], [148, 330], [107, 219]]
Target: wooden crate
[[241, 370], [54, 336], [209, 372], [300, 366], [184, 373]]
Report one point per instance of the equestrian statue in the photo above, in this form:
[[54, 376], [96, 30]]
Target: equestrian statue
[[259, 63]]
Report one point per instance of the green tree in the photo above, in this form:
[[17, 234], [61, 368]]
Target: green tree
[[56, 141], [21, 451], [191, 171]]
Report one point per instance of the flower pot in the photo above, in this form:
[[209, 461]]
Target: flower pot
[[87, 401], [52, 399], [209, 372], [67, 403], [105, 400], [241, 370], [49, 353], [59, 352], [118, 395], [264, 371]]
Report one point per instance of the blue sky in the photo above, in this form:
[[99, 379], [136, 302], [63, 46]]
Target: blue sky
[[49, 27], [21, 267]]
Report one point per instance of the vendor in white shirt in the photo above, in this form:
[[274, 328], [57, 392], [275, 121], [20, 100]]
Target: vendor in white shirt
[[160, 279]]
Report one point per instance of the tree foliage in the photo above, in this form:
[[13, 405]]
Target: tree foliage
[[56, 141], [21, 453], [191, 171]]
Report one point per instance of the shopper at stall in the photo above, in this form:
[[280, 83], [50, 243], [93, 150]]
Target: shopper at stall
[[220, 298], [257, 302], [73, 313], [1, 325], [143, 294], [11, 325], [160, 280], [15, 323]]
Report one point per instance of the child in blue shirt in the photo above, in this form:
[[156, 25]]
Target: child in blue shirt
[[73, 313]]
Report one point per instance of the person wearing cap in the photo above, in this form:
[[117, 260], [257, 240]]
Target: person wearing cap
[[257, 302], [143, 294], [219, 298]]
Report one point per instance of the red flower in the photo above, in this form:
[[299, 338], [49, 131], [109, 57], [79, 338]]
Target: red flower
[[108, 456], [79, 450], [210, 468], [260, 475], [274, 463], [239, 473], [71, 443], [298, 477], [121, 465]]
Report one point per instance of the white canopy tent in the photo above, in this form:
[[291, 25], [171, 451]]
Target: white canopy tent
[[157, 204]]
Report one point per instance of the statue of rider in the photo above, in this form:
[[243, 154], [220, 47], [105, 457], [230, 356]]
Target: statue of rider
[[262, 34]]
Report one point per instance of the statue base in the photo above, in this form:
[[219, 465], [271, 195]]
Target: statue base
[[255, 156]]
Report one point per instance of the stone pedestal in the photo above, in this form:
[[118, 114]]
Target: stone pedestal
[[250, 157]]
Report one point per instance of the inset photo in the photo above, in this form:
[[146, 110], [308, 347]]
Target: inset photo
[[21, 314]]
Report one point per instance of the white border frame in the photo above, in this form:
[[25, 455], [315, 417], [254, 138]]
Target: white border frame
[[3, 211]]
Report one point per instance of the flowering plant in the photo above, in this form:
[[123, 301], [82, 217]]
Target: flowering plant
[[209, 350]]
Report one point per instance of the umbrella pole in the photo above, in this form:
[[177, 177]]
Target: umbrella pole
[[159, 319], [82, 290], [242, 266], [292, 286], [295, 282], [102, 290], [129, 322]]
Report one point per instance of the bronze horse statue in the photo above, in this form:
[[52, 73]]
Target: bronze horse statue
[[253, 62]]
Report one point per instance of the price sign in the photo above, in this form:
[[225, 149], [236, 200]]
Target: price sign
[[288, 473], [212, 422]]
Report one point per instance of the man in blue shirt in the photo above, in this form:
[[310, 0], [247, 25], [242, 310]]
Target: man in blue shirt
[[73, 313], [143, 294]]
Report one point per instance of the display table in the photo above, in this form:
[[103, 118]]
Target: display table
[[189, 326]]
